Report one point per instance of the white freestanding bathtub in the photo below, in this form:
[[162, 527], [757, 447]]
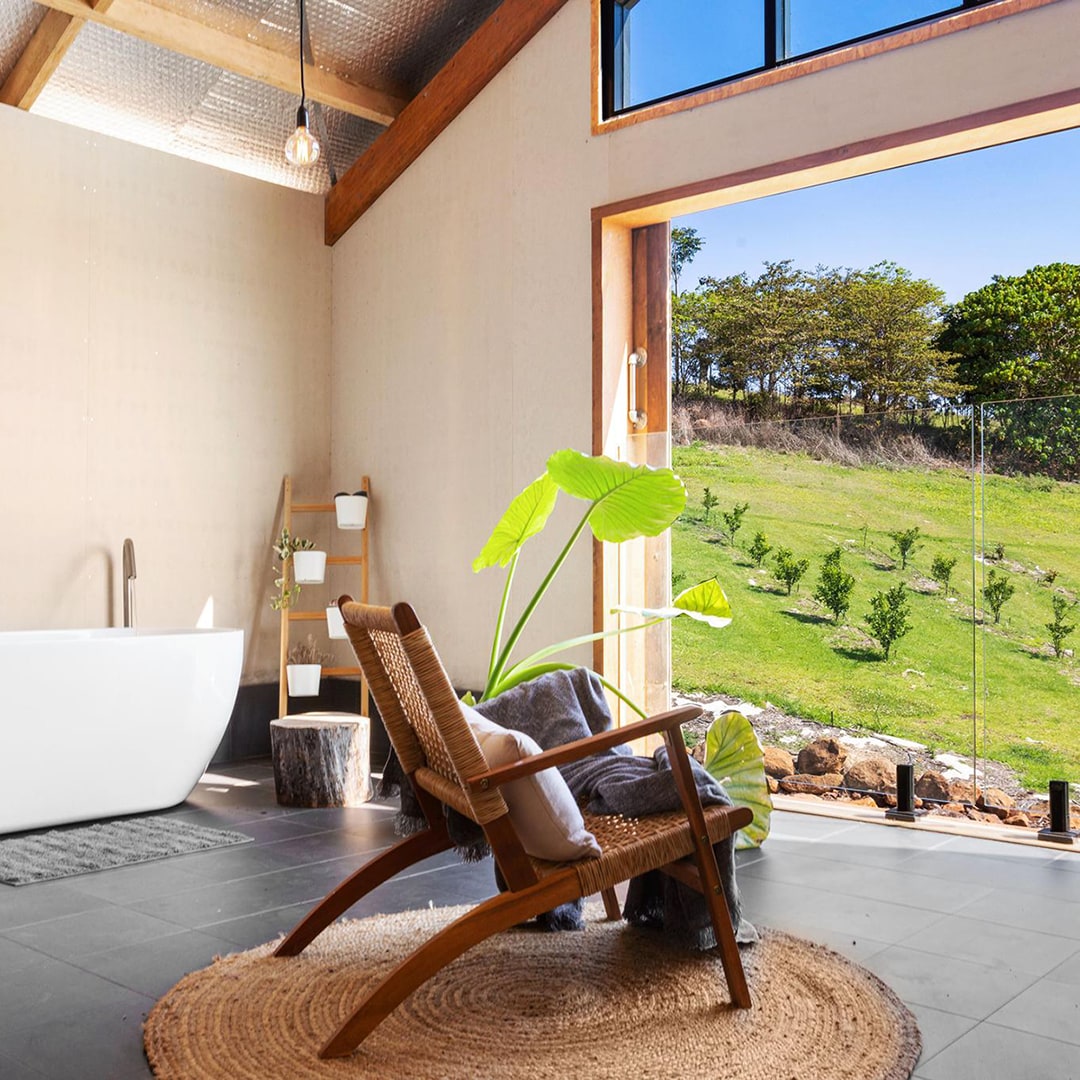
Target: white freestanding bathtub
[[95, 723]]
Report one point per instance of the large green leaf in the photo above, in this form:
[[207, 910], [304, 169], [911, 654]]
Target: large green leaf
[[524, 518], [628, 500], [706, 602], [734, 756]]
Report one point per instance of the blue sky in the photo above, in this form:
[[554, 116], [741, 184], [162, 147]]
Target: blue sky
[[956, 221]]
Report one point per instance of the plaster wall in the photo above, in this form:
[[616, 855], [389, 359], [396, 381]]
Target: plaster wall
[[164, 361], [462, 298]]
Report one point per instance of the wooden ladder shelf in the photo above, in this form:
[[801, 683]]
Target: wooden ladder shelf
[[289, 616]]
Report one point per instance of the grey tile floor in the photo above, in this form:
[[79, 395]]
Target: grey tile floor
[[981, 939]]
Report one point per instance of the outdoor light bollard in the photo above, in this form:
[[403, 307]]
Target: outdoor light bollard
[[905, 795], [1059, 831]]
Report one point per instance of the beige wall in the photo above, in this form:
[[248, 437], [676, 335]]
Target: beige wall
[[164, 361], [462, 320]]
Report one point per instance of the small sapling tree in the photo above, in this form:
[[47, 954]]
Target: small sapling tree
[[733, 520], [996, 592], [760, 548], [941, 570], [708, 504], [789, 570], [905, 544], [888, 617], [835, 586], [1059, 628]]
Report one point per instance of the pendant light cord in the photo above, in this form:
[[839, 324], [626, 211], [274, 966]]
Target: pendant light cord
[[303, 93]]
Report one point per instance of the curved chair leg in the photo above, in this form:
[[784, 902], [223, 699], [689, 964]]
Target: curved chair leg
[[403, 854], [498, 913]]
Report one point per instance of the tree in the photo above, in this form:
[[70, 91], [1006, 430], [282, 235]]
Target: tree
[[997, 591], [708, 503], [888, 617], [1059, 628], [733, 520], [834, 586], [884, 324], [760, 548], [685, 244], [905, 544], [941, 570], [1018, 337], [789, 570]]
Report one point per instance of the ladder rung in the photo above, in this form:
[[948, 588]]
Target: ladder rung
[[312, 508], [305, 616], [341, 671], [344, 560]]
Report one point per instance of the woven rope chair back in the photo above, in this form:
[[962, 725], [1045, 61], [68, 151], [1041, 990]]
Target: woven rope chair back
[[418, 705]]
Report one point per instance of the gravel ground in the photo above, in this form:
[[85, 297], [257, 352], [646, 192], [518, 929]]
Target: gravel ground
[[776, 728]]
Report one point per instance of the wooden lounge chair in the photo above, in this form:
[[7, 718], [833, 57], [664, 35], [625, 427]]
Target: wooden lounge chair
[[444, 763]]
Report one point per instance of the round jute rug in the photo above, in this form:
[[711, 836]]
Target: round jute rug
[[610, 1002]]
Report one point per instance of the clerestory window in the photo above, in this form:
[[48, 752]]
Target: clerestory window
[[653, 50]]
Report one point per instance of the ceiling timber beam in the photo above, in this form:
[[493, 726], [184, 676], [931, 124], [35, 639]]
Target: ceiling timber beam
[[242, 57], [498, 40]]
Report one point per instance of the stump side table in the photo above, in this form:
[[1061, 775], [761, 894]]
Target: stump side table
[[321, 759]]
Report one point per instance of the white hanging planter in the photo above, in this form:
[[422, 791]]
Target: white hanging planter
[[309, 567], [351, 510], [303, 679], [335, 622]]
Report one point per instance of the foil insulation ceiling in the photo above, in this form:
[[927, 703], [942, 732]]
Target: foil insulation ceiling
[[118, 85]]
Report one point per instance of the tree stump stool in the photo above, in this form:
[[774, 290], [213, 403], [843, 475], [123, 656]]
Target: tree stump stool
[[321, 759]]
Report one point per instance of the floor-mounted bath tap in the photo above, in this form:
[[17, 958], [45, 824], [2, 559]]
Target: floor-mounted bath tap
[[129, 582]]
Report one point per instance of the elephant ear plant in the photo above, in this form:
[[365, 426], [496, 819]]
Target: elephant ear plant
[[622, 502]]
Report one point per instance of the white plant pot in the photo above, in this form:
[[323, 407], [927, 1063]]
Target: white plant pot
[[309, 567], [351, 510], [303, 679], [335, 622]]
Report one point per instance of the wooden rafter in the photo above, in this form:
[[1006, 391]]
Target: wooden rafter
[[505, 32], [191, 38], [42, 56]]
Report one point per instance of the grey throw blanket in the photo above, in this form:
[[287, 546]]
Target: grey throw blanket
[[562, 706]]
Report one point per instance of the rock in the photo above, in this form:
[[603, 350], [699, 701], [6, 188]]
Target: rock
[[821, 757], [698, 753], [774, 787], [932, 785], [962, 792], [778, 763], [810, 782], [805, 795], [955, 809], [862, 800], [872, 774], [993, 800], [1018, 818], [980, 815]]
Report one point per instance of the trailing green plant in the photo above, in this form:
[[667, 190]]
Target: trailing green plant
[[789, 570], [905, 544], [709, 503], [1059, 628], [760, 548], [997, 592], [623, 502], [888, 616], [941, 569], [733, 520], [734, 757], [284, 547], [835, 585]]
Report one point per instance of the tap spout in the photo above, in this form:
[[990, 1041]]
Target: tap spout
[[129, 582]]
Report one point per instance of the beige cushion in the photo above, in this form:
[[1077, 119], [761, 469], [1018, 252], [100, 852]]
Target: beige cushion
[[543, 811]]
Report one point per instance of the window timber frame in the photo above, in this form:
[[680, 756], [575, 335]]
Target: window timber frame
[[972, 13]]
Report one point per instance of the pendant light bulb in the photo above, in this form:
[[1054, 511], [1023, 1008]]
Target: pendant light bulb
[[302, 148]]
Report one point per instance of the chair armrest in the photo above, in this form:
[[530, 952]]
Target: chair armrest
[[580, 748]]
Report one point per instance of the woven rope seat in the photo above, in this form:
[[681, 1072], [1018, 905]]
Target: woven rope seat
[[444, 766]]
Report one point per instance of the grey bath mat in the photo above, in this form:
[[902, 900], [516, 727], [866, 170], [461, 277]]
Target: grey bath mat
[[60, 853]]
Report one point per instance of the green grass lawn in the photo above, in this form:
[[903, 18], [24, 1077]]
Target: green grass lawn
[[787, 650]]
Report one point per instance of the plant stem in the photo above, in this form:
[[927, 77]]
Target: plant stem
[[502, 614], [495, 676]]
